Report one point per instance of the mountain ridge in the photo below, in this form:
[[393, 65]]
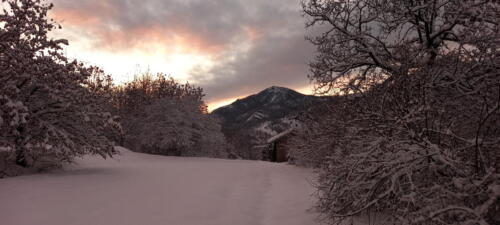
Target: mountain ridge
[[271, 103], [251, 121]]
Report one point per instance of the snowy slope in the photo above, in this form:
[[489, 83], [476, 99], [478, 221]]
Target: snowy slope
[[135, 189], [272, 103], [247, 123]]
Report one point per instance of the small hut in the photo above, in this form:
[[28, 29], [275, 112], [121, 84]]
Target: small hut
[[277, 150]]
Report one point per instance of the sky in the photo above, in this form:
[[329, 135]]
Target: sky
[[230, 48]]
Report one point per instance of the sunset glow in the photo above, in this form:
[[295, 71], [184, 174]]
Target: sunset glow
[[307, 90], [234, 50], [154, 50], [125, 65]]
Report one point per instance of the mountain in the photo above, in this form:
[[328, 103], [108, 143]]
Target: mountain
[[269, 104], [248, 122]]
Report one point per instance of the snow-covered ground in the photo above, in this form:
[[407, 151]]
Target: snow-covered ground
[[139, 189]]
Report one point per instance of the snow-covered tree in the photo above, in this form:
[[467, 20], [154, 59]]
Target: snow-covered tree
[[49, 108], [421, 116], [176, 127], [130, 98], [162, 116], [314, 139]]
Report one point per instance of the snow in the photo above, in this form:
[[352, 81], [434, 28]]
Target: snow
[[136, 188], [273, 99], [276, 89], [280, 135], [292, 122], [276, 93], [265, 128], [257, 116]]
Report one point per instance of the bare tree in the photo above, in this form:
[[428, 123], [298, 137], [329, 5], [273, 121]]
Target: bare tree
[[421, 119]]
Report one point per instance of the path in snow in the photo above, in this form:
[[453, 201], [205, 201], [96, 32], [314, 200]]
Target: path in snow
[[139, 189]]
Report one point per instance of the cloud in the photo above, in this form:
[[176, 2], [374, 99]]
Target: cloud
[[252, 44], [279, 60], [121, 24]]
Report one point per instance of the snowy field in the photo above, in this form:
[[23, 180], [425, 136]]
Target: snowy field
[[139, 189]]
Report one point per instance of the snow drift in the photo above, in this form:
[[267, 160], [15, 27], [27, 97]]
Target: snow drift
[[136, 188]]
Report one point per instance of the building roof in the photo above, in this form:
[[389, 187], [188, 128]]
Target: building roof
[[280, 135]]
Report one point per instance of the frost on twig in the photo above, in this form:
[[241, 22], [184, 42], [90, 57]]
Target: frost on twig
[[417, 132]]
